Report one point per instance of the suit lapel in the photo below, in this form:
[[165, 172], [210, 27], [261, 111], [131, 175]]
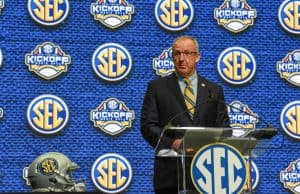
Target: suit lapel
[[175, 89]]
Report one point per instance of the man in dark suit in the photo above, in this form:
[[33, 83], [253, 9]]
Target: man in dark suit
[[185, 102]]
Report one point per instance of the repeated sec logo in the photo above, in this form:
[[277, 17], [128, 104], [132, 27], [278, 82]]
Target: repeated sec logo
[[111, 62], [112, 13], [47, 60], [289, 67], [290, 177], [242, 118], [164, 65], [235, 15], [218, 169], [47, 114], [48, 12], [236, 65], [288, 16], [112, 116], [111, 173], [290, 119], [174, 15]]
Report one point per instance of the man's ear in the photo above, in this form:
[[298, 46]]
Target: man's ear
[[198, 58]]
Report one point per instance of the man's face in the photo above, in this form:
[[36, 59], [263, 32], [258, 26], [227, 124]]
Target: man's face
[[185, 57]]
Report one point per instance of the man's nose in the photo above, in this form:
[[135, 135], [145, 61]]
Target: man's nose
[[181, 57]]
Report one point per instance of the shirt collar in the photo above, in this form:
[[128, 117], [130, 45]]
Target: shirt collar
[[191, 78]]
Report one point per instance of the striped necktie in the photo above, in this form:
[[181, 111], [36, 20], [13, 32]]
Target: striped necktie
[[189, 97]]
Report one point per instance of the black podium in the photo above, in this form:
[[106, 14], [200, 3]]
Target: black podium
[[195, 138]]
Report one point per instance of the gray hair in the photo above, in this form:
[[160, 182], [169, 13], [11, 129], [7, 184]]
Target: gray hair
[[187, 37]]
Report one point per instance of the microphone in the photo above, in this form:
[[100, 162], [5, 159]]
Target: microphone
[[264, 133]]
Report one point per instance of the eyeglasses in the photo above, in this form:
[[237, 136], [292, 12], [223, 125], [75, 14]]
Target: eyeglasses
[[185, 53]]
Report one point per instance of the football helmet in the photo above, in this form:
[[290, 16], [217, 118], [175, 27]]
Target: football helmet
[[52, 171]]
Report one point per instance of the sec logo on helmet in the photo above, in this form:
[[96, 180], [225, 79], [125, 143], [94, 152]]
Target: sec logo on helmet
[[174, 15], [48, 12], [290, 119], [111, 173], [111, 62], [236, 65], [47, 114], [52, 172], [288, 16]]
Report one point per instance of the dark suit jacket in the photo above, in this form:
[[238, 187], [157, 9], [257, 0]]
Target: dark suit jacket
[[162, 101]]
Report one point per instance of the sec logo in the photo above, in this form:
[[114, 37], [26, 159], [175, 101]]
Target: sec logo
[[236, 65], [290, 119], [288, 16], [111, 62], [48, 12], [48, 166], [218, 169], [47, 114], [111, 173], [174, 15]]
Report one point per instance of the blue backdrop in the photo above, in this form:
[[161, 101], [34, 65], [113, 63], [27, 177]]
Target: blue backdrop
[[82, 90]]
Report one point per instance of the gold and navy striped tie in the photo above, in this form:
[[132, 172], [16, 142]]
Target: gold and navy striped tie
[[189, 97]]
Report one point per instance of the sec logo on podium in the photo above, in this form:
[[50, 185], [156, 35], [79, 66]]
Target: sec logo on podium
[[218, 169]]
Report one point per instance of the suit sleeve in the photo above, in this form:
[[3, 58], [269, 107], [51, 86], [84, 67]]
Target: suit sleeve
[[151, 126], [222, 119]]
